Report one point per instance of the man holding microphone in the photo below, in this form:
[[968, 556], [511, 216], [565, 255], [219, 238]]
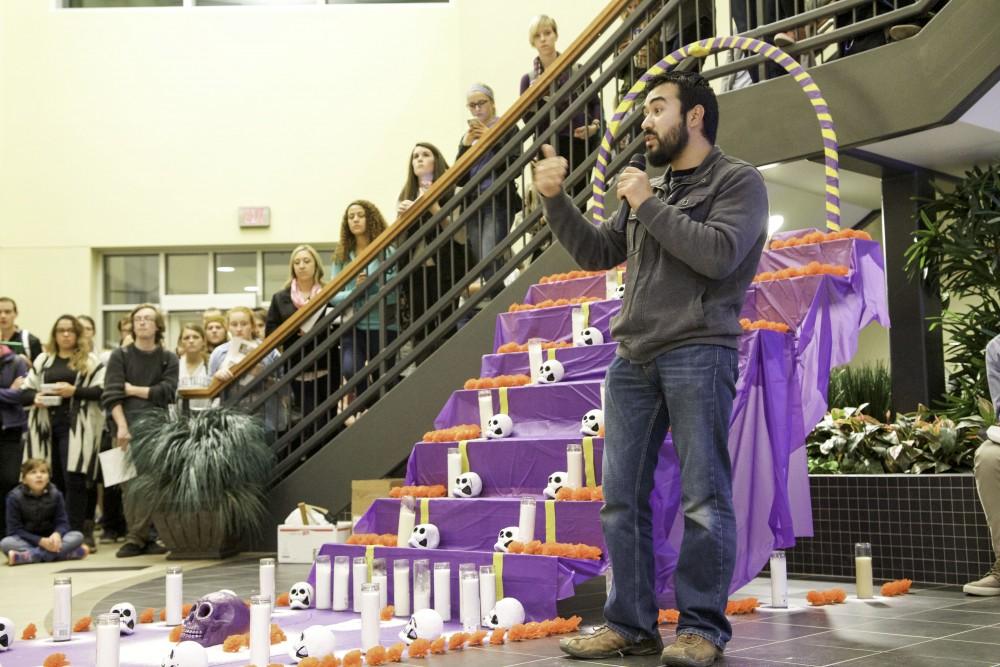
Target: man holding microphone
[[692, 244]]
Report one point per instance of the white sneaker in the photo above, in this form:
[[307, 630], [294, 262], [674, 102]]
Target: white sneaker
[[986, 587]]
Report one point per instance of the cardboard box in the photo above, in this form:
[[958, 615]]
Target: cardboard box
[[296, 543], [365, 491]]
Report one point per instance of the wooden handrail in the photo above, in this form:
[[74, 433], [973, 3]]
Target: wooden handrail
[[447, 181]]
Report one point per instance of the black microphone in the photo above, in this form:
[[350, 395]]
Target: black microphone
[[625, 210]]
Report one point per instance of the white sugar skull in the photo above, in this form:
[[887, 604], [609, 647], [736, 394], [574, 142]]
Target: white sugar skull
[[424, 624], [550, 372], [425, 536], [468, 485], [186, 654], [499, 426], [620, 292], [592, 422], [557, 480], [591, 336], [507, 613], [301, 595], [315, 641], [7, 632], [506, 536], [126, 617]]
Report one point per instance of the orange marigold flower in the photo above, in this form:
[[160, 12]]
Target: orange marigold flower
[[29, 632]]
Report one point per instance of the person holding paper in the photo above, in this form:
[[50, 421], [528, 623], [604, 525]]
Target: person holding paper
[[140, 377]]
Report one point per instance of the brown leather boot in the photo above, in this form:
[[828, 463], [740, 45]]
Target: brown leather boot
[[603, 642], [690, 650]]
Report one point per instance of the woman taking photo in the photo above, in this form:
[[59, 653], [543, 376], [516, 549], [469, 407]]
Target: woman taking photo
[[66, 421]]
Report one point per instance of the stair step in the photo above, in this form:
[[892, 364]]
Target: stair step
[[584, 362]]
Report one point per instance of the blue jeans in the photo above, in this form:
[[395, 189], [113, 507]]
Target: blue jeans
[[689, 390], [357, 348], [70, 542], [486, 229]]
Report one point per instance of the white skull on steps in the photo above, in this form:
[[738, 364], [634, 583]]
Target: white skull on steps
[[507, 613], [591, 336], [557, 480], [301, 595], [550, 372], [468, 485], [7, 631], [187, 654], [126, 617], [620, 292], [499, 426], [425, 536], [424, 624], [315, 641], [592, 422], [506, 536]]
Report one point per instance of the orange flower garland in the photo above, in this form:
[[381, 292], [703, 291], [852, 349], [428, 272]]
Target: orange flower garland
[[582, 493], [376, 655], [668, 616], [477, 637], [29, 632], [497, 382], [233, 643], [387, 613], [368, 539], [175, 633], [82, 624], [395, 652], [56, 660], [780, 327], [454, 433], [457, 641], [419, 648], [507, 348], [810, 269], [820, 237], [569, 275], [745, 606], [496, 637], [436, 491], [537, 548], [438, 646], [282, 600], [832, 596], [147, 615], [353, 659], [897, 587], [551, 303]]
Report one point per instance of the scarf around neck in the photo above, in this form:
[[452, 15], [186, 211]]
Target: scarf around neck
[[299, 299]]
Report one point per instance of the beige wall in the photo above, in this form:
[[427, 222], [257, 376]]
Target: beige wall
[[129, 128]]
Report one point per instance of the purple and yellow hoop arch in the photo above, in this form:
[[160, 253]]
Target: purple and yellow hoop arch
[[700, 50]]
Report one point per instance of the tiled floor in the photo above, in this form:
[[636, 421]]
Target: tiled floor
[[930, 627]]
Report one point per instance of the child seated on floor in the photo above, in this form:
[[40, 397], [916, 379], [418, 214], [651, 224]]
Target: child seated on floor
[[37, 525]]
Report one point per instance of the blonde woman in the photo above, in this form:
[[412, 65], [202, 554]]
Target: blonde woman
[[65, 421], [192, 349]]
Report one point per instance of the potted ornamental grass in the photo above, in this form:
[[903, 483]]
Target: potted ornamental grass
[[204, 474]]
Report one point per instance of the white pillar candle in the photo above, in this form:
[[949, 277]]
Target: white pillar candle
[[108, 640], [380, 576], [401, 587], [260, 630], [578, 324], [370, 595], [359, 576], [454, 469], [442, 590], [62, 609], [574, 465], [341, 582], [267, 578], [469, 605], [779, 580], [487, 592], [323, 582], [175, 596], [485, 411], [407, 519], [602, 395], [421, 584], [526, 520], [463, 569], [610, 284], [534, 358], [863, 570]]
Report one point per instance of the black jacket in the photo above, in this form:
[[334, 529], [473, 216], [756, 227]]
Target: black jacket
[[32, 517], [280, 310]]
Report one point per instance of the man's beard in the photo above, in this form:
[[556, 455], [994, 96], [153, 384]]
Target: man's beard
[[669, 146]]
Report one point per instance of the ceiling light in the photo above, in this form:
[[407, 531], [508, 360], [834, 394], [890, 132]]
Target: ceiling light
[[774, 223], [225, 269], [765, 167], [250, 288]]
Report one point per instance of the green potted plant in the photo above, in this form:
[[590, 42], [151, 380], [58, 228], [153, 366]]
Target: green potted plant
[[204, 473]]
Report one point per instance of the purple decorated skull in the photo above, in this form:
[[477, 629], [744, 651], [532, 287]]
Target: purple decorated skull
[[215, 617]]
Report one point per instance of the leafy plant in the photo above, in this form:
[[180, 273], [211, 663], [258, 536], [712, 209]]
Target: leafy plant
[[847, 441], [214, 460], [868, 384], [957, 251]]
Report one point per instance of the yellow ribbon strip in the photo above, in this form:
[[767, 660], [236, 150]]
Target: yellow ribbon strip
[[498, 572], [370, 558], [463, 449], [621, 277], [585, 307], [552, 354], [504, 406], [550, 521], [425, 510], [588, 462]]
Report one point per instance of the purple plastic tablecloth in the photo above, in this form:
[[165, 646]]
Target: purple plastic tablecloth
[[509, 467], [587, 362], [472, 524], [567, 289], [555, 323], [542, 411], [537, 581]]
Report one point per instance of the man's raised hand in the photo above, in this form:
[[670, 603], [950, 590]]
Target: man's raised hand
[[550, 172]]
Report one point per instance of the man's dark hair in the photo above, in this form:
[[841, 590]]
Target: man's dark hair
[[10, 301], [693, 89]]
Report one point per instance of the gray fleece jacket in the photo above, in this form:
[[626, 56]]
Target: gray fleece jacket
[[691, 251]]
